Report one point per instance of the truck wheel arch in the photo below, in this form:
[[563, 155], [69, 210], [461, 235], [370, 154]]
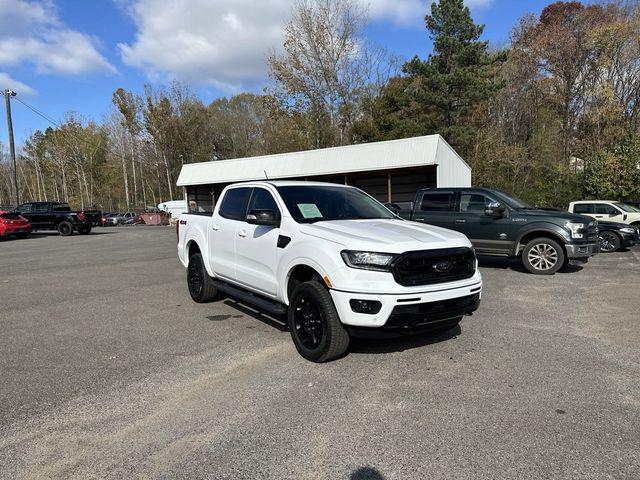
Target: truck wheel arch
[[530, 235], [192, 247], [299, 274]]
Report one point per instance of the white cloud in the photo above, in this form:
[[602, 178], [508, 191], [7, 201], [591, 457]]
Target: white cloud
[[398, 11], [31, 32], [6, 82], [410, 11], [223, 42], [216, 42]]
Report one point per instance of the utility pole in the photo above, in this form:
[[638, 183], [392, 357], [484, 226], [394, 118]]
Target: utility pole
[[12, 149]]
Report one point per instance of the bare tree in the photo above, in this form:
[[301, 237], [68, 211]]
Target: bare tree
[[321, 71]]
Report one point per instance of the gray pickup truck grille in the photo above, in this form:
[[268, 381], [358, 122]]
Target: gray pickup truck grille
[[426, 267]]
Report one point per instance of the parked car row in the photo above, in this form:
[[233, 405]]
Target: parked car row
[[545, 239]]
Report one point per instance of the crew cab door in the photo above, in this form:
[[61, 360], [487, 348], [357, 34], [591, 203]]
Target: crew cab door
[[223, 230], [490, 234], [42, 215], [435, 208], [256, 247]]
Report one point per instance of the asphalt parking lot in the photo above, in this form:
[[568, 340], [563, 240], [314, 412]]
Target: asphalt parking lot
[[109, 370]]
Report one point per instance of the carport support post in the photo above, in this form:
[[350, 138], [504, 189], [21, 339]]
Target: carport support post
[[389, 187]]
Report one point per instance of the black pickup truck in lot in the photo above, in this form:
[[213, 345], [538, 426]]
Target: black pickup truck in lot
[[498, 224], [59, 216]]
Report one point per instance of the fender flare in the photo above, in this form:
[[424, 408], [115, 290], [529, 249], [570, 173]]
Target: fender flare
[[542, 228]]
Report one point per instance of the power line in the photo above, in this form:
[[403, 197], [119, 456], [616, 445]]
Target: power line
[[38, 112], [100, 146]]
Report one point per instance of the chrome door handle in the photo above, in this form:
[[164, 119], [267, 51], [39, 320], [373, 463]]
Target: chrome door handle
[[242, 233], [461, 220], [215, 227]]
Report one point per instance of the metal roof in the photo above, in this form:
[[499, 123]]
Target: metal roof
[[388, 155]]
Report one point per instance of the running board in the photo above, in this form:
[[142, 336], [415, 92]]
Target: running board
[[267, 305]]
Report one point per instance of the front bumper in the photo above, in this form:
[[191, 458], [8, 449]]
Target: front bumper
[[410, 309], [582, 250], [629, 240]]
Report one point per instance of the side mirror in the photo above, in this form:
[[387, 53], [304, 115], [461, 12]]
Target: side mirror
[[393, 207], [494, 209], [263, 217]]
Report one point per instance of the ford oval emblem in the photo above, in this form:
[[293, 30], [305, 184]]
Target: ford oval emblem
[[443, 267]]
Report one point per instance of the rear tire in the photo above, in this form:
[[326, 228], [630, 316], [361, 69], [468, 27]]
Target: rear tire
[[65, 228], [22, 236], [314, 324], [543, 256], [609, 242], [199, 282], [84, 230]]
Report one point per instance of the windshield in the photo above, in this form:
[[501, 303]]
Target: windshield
[[313, 203], [626, 208], [511, 201]]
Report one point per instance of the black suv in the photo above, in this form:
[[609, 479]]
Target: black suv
[[498, 224]]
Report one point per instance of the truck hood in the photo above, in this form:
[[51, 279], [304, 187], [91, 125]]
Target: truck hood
[[382, 235], [560, 214]]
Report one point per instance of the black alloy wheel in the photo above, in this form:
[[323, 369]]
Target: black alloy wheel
[[609, 242], [307, 319], [199, 282], [316, 329]]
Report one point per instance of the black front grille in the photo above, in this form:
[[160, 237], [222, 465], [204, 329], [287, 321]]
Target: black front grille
[[434, 266], [422, 313]]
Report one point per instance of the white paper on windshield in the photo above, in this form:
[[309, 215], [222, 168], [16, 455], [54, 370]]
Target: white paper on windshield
[[309, 210]]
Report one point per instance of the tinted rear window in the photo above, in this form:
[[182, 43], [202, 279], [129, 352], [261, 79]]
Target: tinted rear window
[[583, 208], [437, 202], [234, 203]]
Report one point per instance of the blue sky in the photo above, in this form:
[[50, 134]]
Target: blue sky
[[70, 55]]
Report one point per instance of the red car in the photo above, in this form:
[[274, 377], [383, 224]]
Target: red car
[[14, 224]]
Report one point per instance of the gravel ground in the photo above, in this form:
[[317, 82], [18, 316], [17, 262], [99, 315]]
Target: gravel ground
[[109, 370]]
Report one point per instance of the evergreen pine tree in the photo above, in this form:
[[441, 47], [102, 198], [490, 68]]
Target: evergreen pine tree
[[455, 80]]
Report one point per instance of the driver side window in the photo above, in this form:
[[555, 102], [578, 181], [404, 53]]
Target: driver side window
[[604, 209], [473, 203], [261, 199]]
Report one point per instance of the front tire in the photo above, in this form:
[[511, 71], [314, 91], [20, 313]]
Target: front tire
[[200, 284], [65, 228], [314, 324], [543, 256], [22, 236], [609, 242]]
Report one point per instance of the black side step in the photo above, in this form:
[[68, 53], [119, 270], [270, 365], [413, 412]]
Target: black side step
[[262, 303]]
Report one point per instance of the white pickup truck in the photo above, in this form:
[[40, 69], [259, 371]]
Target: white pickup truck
[[332, 258]]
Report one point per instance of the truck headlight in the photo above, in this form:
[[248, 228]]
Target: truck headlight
[[628, 230], [575, 227], [379, 262]]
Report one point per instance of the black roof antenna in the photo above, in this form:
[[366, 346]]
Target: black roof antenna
[[265, 175]]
